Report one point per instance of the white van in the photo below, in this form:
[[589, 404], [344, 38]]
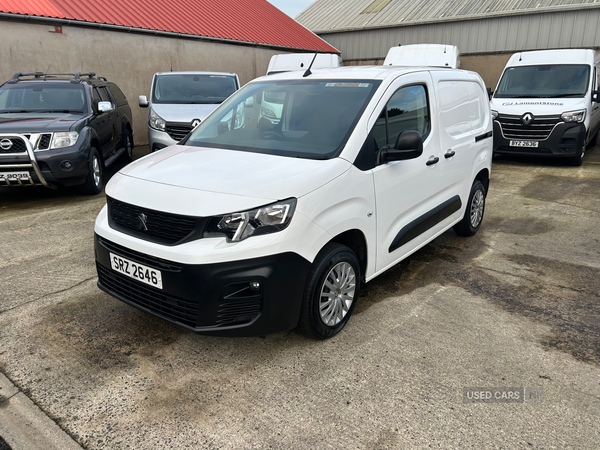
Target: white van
[[546, 104], [288, 62], [179, 101], [263, 228], [272, 102], [418, 55]]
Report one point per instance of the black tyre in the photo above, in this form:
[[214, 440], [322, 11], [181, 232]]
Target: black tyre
[[128, 154], [471, 221], [93, 181], [578, 160], [594, 140], [331, 291]]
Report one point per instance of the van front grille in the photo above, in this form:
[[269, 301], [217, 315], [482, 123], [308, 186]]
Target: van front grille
[[166, 306], [538, 130], [178, 131]]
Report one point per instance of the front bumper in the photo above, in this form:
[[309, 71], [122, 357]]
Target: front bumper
[[565, 140], [158, 140], [215, 299]]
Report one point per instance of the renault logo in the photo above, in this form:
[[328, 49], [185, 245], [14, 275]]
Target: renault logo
[[143, 222], [527, 118], [6, 144], [195, 123]]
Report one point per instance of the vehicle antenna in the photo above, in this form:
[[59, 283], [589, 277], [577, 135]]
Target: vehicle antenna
[[47, 70], [308, 72]]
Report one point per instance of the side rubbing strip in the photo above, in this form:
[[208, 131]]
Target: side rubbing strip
[[481, 137], [428, 220]]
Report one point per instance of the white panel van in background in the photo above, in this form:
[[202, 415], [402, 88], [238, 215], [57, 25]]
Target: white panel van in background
[[546, 104], [419, 55], [272, 102]]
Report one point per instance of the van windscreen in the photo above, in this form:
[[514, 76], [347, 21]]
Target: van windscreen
[[544, 81], [192, 89], [308, 118]]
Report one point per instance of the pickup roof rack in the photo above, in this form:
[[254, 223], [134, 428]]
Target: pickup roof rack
[[76, 77]]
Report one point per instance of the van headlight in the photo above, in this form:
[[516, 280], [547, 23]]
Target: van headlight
[[64, 139], [264, 220], [573, 116], [494, 114], [156, 122]]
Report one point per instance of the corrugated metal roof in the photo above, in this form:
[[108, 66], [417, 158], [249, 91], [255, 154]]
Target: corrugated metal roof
[[255, 21], [343, 15]]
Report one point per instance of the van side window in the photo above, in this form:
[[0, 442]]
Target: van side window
[[407, 110]]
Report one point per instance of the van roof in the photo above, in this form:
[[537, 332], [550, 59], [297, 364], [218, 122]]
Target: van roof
[[357, 73], [193, 72], [565, 56]]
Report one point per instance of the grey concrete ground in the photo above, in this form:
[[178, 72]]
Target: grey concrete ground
[[516, 305]]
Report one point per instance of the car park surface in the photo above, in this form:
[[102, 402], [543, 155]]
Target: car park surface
[[516, 305]]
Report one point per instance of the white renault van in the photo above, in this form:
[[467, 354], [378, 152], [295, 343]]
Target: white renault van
[[546, 104], [179, 101], [262, 228], [434, 55]]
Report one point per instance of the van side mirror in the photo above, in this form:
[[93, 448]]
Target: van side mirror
[[409, 145], [143, 101], [105, 107], [596, 96]]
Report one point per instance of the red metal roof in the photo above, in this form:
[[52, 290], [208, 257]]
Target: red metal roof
[[242, 20]]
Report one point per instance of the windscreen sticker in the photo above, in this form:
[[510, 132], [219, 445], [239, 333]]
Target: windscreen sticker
[[532, 103], [347, 84]]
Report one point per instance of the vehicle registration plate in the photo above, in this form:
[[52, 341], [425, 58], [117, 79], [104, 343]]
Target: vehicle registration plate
[[136, 271], [14, 176], [524, 144]]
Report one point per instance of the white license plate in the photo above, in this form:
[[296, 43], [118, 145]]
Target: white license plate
[[14, 176], [136, 271], [524, 144]]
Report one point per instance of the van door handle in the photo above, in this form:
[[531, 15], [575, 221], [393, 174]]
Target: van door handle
[[449, 154], [433, 161]]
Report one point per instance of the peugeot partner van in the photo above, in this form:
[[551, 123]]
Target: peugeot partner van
[[179, 101], [262, 228], [434, 55], [546, 104]]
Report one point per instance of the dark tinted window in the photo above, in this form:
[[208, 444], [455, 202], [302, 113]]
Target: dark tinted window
[[406, 110], [96, 96], [192, 88], [544, 81], [42, 97], [117, 94], [104, 94]]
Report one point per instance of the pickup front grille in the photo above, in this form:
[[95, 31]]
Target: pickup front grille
[[44, 142], [12, 145], [151, 225], [178, 131], [161, 304], [538, 130]]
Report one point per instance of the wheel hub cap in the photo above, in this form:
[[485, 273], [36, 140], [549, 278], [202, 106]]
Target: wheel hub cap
[[337, 294], [477, 209]]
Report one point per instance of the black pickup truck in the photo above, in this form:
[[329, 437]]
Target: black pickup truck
[[62, 130]]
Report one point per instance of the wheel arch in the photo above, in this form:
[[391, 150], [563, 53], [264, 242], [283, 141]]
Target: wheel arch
[[357, 242], [484, 176]]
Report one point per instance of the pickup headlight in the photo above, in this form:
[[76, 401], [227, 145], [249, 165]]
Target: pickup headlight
[[64, 139], [573, 116], [239, 226], [156, 122], [494, 114]]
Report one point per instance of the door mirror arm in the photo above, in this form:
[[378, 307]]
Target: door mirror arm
[[595, 96], [409, 145]]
